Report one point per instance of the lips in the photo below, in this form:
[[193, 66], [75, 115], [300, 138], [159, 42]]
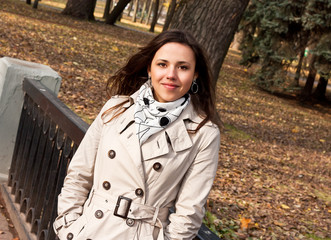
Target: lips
[[169, 85]]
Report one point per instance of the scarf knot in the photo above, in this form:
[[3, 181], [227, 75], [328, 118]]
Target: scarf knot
[[152, 116]]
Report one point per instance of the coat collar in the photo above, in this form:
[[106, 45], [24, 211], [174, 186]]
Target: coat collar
[[157, 145]]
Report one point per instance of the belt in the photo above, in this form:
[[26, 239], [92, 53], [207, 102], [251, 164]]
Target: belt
[[124, 207]]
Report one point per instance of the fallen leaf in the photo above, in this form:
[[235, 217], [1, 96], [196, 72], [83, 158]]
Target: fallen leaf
[[296, 129], [244, 223], [115, 48], [280, 224], [285, 206]]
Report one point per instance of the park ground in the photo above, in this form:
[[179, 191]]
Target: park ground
[[274, 175]]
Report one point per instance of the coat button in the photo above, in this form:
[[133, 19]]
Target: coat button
[[130, 222], [106, 185], [70, 236], [139, 192], [98, 214], [111, 154], [157, 166]]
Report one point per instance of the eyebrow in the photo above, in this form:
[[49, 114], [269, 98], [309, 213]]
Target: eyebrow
[[180, 62]]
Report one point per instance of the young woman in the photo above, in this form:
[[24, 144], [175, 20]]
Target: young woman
[[154, 146]]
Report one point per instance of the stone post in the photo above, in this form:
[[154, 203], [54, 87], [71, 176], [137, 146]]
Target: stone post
[[12, 73]]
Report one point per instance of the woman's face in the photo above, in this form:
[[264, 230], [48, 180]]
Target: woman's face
[[172, 71]]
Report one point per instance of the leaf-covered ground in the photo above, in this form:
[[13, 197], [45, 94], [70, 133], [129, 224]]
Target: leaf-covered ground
[[274, 177]]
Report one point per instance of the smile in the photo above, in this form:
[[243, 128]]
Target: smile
[[169, 86]]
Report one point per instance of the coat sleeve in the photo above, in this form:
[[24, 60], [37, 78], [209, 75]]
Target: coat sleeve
[[194, 190], [79, 178]]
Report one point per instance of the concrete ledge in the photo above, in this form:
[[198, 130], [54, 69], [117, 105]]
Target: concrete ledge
[[12, 73], [22, 228]]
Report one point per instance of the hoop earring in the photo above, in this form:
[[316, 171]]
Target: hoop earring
[[194, 87]]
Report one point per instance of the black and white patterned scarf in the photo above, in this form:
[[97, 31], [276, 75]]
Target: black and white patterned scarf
[[152, 116]]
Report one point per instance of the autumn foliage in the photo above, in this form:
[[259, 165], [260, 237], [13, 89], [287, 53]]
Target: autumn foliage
[[274, 177]]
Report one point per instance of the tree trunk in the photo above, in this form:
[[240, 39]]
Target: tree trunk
[[155, 13], [150, 11], [307, 90], [35, 4], [83, 9], [298, 71], [134, 17], [28, 2], [130, 9], [321, 88], [117, 11], [160, 10], [238, 37], [143, 11], [213, 23], [170, 14], [108, 7]]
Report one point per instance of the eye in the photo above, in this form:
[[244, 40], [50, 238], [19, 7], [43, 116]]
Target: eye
[[162, 65], [184, 67]]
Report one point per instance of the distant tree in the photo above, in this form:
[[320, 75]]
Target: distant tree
[[317, 20], [276, 36], [323, 65], [108, 7], [273, 37], [83, 9], [321, 88], [28, 2], [155, 15], [213, 23], [117, 11], [237, 40], [35, 4], [152, 3], [161, 7], [130, 8], [134, 16], [307, 90], [143, 11], [170, 14], [299, 67]]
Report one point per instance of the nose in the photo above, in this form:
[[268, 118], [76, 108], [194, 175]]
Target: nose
[[171, 74]]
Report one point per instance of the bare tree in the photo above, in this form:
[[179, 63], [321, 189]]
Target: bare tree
[[108, 7], [321, 88], [117, 11], [150, 11], [130, 8], [144, 10], [134, 16], [155, 15], [308, 89], [170, 14]]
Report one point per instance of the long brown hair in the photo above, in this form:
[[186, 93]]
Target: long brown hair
[[129, 78]]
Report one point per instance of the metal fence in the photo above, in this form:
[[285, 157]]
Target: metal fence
[[48, 135]]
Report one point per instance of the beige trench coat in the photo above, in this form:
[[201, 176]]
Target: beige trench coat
[[115, 189]]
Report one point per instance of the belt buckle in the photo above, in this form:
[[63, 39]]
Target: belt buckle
[[120, 198]]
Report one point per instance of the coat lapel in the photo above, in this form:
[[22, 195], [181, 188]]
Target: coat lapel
[[129, 139], [176, 134], [157, 144]]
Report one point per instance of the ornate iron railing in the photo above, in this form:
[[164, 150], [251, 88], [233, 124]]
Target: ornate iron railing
[[47, 137]]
